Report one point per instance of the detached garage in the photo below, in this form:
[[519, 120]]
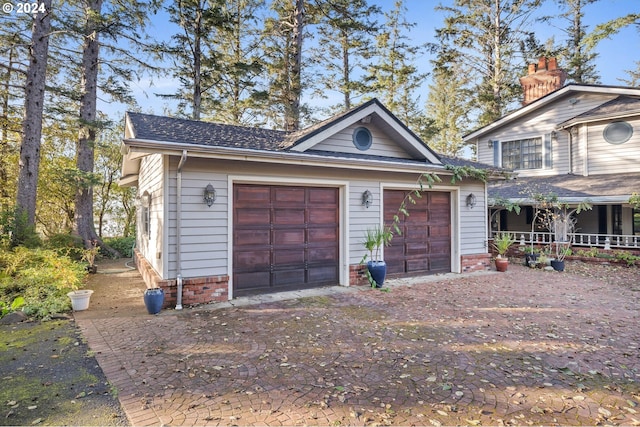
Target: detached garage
[[226, 211]]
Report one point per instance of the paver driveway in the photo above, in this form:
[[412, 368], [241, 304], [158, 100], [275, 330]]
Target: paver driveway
[[522, 347]]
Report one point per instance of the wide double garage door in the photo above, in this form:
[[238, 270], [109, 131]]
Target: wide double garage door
[[424, 247], [284, 237]]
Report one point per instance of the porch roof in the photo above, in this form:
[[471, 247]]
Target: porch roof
[[601, 189]]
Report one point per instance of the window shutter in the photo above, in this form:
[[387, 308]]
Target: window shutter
[[548, 152], [497, 154]]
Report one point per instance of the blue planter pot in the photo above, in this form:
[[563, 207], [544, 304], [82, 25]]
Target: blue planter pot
[[378, 271], [153, 300], [557, 265]]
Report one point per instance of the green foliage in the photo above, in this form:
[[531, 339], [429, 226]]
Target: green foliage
[[375, 238], [42, 277], [462, 172], [66, 245], [627, 257], [635, 200], [124, 245], [15, 229], [503, 241]]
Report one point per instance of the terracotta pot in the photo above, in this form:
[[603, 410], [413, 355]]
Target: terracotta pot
[[502, 264]]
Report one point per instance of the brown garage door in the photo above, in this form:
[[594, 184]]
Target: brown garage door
[[425, 243], [284, 238]]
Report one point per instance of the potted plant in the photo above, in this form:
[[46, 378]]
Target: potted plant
[[501, 243], [375, 238], [531, 255]]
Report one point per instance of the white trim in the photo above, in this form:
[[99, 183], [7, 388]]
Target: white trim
[[552, 97], [454, 207], [345, 122], [343, 197], [166, 199]]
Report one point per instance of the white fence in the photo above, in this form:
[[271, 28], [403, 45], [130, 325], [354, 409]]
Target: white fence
[[606, 241]]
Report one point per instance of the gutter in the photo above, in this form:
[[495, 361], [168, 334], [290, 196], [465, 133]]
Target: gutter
[[183, 160]]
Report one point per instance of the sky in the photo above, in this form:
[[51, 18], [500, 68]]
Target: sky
[[616, 55]]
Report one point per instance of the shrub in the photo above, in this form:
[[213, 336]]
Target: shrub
[[66, 244], [42, 277], [124, 245]]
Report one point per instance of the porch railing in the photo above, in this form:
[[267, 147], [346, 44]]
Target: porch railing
[[606, 241]]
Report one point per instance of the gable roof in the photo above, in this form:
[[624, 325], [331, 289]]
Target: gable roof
[[548, 99], [146, 134], [617, 108]]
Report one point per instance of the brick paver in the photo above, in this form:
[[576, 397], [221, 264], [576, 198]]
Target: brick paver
[[522, 347]]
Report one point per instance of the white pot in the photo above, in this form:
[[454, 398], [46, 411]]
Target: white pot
[[80, 299]]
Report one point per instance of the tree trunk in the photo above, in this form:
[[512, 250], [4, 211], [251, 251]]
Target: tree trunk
[[87, 126], [32, 123], [295, 91]]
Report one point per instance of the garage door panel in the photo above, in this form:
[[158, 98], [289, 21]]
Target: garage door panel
[[319, 216], [254, 259], [288, 196], [252, 280], [252, 237], [252, 216], [322, 254], [418, 264], [249, 195], [288, 237], [289, 277], [322, 235], [439, 231], [323, 274], [323, 195], [285, 257], [288, 216]]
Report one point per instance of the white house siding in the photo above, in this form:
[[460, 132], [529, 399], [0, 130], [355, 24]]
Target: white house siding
[[342, 142], [604, 158], [542, 121], [152, 169], [206, 231], [473, 222]]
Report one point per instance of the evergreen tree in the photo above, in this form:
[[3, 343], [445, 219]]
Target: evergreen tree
[[484, 36], [580, 57], [395, 78], [345, 42]]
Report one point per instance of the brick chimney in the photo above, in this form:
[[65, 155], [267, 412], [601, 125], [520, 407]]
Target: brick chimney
[[544, 78]]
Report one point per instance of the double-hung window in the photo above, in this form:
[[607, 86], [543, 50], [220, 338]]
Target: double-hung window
[[529, 153]]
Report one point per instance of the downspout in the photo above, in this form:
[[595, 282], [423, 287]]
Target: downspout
[[183, 159]]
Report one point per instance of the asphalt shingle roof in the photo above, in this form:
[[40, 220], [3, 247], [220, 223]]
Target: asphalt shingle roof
[[567, 186]]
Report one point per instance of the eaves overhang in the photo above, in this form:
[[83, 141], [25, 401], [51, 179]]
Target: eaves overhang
[[137, 148]]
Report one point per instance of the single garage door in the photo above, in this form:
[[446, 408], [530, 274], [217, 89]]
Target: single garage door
[[425, 243], [284, 238]]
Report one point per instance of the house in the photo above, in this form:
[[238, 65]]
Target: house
[[578, 142], [226, 211]]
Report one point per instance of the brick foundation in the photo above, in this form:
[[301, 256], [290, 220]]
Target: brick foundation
[[195, 290], [475, 262], [358, 275]]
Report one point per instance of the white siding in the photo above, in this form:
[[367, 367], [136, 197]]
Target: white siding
[[151, 180], [382, 145], [206, 231], [473, 222], [612, 158], [540, 122]]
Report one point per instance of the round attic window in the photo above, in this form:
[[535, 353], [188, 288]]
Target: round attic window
[[362, 138], [617, 132]]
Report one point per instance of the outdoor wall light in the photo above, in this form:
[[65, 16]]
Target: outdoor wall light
[[367, 198], [209, 195], [490, 143], [145, 199], [471, 200]]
